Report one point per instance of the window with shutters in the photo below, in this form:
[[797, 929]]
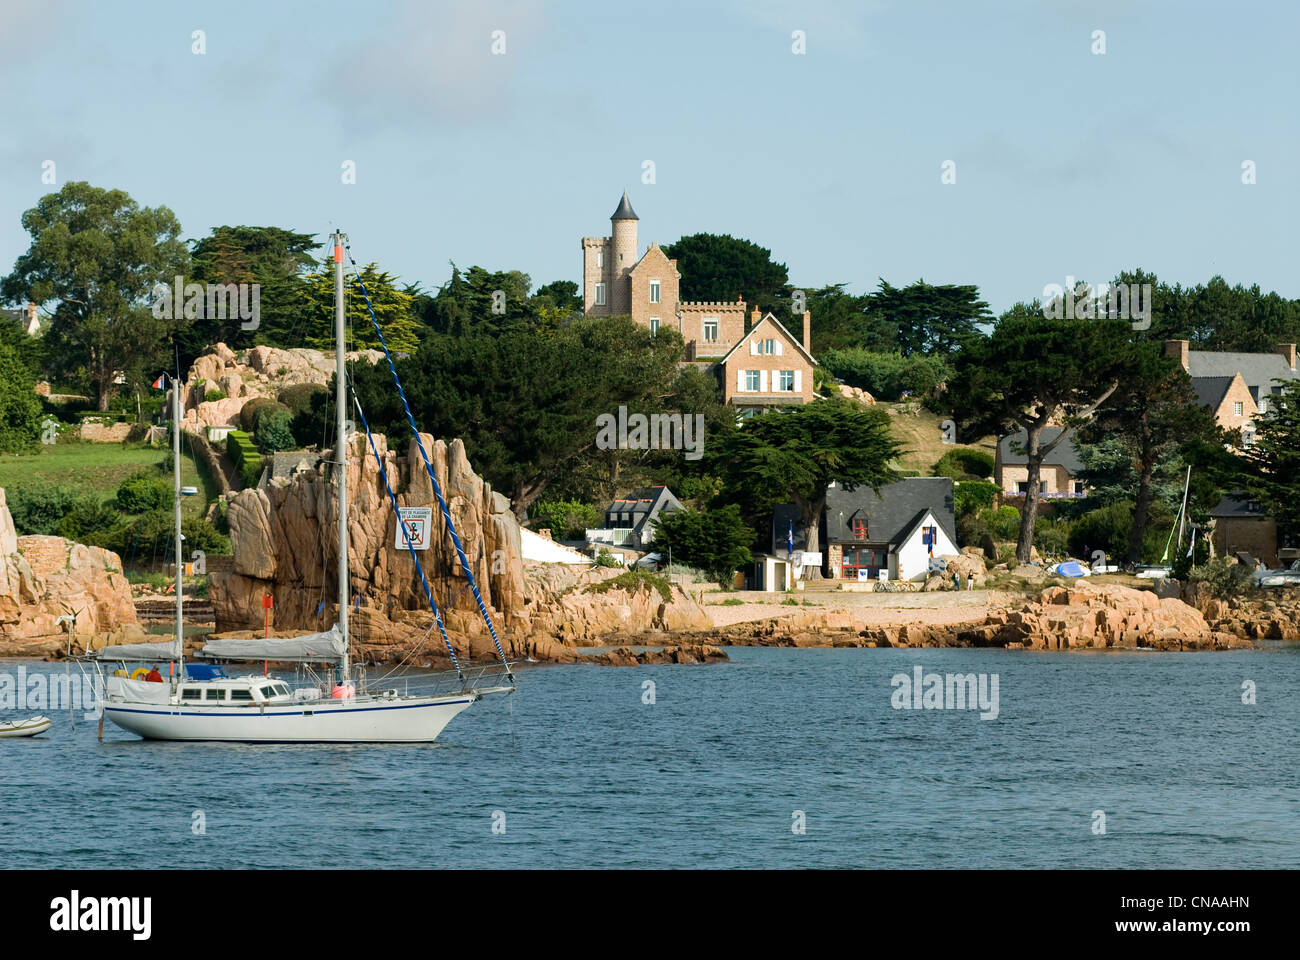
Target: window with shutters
[[786, 380], [751, 380], [767, 347]]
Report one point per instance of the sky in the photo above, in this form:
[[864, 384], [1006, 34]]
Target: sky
[[501, 132]]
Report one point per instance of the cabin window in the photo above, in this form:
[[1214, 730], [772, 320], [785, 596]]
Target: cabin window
[[283, 689], [241, 694], [214, 695], [268, 692], [191, 693], [654, 291]]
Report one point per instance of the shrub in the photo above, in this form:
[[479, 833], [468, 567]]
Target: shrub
[[606, 559], [1225, 577], [297, 398], [1052, 536], [143, 491], [1002, 523], [963, 464], [38, 509], [632, 580], [248, 413], [566, 519], [886, 376], [970, 496], [87, 521], [243, 453], [716, 541], [273, 432], [214, 395]]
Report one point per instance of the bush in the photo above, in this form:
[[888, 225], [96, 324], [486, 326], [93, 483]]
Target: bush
[[962, 464], [971, 496], [1225, 577], [1002, 523], [298, 398], [143, 491], [606, 559], [273, 432], [716, 541], [87, 521], [38, 509], [20, 408], [886, 376], [248, 413], [1052, 536], [213, 395], [632, 580], [566, 519], [243, 453]]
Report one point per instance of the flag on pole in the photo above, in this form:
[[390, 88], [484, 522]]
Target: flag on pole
[[161, 382], [789, 541]]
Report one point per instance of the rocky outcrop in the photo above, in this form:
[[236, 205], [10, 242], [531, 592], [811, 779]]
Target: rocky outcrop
[[45, 578], [1271, 615], [283, 537], [258, 372]]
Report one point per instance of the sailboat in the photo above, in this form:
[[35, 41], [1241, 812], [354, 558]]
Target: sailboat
[[1163, 569], [201, 702]]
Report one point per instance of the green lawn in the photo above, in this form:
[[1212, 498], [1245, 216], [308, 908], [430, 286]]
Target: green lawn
[[99, 468], [922, 436]]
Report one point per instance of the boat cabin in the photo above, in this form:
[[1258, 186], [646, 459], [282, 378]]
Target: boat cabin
[[251, 689]]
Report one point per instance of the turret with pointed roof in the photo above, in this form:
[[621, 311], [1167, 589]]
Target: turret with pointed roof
[[624, 211]]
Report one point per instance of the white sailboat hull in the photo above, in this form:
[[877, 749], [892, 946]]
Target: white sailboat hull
[[361, 720]]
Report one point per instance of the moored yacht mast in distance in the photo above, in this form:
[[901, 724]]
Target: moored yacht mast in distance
[[340, 450], [176, 499]]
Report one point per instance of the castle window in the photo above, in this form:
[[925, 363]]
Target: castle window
[[654, 291], [751, 380], [654, 326], [600, 294], [600, 258], [787, 380], [711, 330]]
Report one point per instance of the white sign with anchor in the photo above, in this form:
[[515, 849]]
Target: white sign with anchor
[[418, 522]]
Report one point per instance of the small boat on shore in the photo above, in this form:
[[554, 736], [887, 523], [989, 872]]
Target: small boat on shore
[[24, 728]]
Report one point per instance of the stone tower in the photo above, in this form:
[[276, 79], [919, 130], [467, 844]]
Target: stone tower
[[622, 258]]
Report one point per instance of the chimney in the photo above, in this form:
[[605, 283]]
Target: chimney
[[1288, 351], [1177, 348], [807, 332], [754, 318]]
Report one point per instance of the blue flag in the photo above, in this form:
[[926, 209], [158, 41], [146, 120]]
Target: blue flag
[[789, 541]]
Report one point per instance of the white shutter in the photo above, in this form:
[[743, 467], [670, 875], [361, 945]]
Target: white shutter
[[798, 381], [780, 350], [762, 381], [740, 380], [753, 348]]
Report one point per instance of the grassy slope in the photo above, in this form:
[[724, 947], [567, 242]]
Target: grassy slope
[[923, 440], [98, 468]]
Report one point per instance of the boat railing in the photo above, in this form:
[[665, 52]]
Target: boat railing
[[491, 676]]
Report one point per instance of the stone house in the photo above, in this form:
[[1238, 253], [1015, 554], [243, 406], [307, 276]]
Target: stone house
[[1235, 386], [1241, 525], [630, 521], [864, 535], [758, 368], [1059, 472]]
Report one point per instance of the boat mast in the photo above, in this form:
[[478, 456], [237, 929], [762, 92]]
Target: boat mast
[[176, 499], [341, 468]]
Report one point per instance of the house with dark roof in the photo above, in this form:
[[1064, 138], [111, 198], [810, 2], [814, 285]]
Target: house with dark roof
[[1237, 387], [869, 536], [630, 521], [1058, 476]]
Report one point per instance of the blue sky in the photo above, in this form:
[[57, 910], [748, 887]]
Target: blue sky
[[1067, 162]]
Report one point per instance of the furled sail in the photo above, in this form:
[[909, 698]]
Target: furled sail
[[170, 650], [329, 645]]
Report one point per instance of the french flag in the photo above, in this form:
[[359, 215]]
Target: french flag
[[160, 382]]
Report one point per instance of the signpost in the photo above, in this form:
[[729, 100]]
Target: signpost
[[418, 522]]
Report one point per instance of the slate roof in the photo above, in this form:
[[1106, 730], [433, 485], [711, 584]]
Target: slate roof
[[1230, 506], [644, 504], [891, 515], [1258, 370], [625, 212], [1210, 390], [1065, 454]]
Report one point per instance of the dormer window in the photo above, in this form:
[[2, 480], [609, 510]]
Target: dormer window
[[859, 528]]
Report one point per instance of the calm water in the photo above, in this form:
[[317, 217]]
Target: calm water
[[710, 774]]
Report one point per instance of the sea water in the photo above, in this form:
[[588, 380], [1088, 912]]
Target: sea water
[[780, 758]]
